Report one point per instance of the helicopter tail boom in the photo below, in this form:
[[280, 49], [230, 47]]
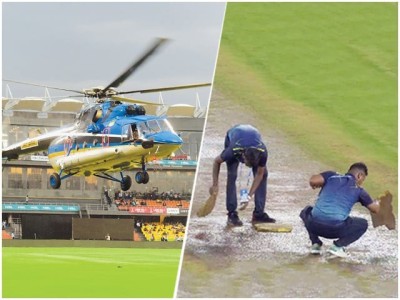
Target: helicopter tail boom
[[34, 145]]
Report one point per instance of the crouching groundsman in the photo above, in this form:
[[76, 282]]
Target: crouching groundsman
[[243, 144], [329, 218]]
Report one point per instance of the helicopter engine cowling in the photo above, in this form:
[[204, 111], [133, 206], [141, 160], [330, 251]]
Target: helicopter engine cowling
[[135, 110]]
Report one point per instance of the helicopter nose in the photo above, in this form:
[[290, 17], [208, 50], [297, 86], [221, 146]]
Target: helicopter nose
[[166, 137]]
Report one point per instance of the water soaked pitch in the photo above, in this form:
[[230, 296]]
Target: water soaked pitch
[[241, 262]]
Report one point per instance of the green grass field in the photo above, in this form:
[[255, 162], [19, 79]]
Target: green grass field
[[75, 272], [324, 73]]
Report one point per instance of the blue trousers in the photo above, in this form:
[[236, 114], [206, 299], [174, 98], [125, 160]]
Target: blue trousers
[[346, 232], [231, 194]]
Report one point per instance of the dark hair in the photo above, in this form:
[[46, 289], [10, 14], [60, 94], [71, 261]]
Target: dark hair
[[359, 166], [252, 155]]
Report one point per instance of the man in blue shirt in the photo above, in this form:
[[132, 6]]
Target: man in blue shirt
[[243, 144], [329, 218]]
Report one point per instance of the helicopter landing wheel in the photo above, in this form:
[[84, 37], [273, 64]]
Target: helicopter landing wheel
[[146, 177], [126, 183], [142, 177], [139, 177], [55, 181]]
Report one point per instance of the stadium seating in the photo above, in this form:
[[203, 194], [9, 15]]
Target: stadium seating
[[125, 204], [156, 231]]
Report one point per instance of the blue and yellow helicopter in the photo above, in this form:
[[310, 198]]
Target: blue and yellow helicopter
[[112, 134]]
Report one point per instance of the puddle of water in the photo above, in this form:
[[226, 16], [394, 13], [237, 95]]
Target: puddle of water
[[218, 275]]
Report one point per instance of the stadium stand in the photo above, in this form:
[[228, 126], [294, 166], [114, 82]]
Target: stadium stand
[[124, 200], [163, 232]]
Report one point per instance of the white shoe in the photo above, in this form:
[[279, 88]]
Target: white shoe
[[338, 251], [316, 249]]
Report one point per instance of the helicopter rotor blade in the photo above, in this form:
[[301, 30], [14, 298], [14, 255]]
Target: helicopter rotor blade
[[168, 88], [135, 101], [45, 86], [116, 83]]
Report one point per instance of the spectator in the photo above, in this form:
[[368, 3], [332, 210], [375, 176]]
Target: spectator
[[27, 199], [107, 197]]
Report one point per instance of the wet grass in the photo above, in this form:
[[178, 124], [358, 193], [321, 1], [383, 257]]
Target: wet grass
[[324, 73]]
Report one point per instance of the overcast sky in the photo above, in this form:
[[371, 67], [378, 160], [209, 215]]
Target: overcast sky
[[82, 45]]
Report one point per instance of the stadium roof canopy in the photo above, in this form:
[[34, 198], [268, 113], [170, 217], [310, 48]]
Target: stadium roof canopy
[[64, 105], [27, 103], [182, 110]]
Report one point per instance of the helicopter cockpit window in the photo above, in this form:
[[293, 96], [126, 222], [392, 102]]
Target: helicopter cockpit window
[[129, 133], [149, 127], [164, 125], [142, 127], [154, 126]]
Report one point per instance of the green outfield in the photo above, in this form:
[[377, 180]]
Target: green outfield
[[324, 73], [74, 272]]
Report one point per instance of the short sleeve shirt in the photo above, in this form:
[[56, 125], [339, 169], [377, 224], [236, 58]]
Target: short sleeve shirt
[[337, 197], [240, 137]]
